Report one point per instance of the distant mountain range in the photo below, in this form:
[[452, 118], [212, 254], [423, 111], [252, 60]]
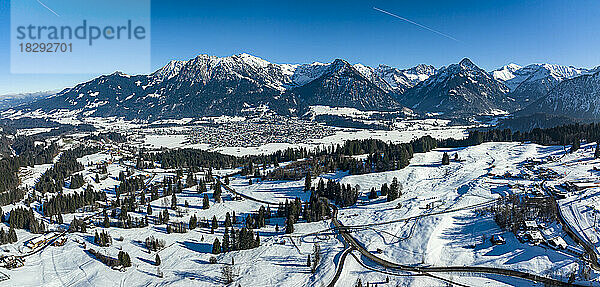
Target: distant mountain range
[[13, 100], [577, 98], [530, 83], [212, 86]]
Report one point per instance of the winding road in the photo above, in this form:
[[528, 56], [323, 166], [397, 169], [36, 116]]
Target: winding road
[[448, 269], [352, 244]]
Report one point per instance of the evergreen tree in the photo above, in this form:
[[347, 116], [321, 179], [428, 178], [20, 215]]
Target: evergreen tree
[[157, 260], [316, 256], [373, 193], [226, 241], [190, 181], [445, 159], [576, 144], [217, 192], [12, 235], [153, 244], [165, 216], [149, 209], [289, 226], [77, 181], [216, 246], [228, 274], [597, 152], [214, 223], [394, 191], [384, 189], [102, 239], [124, 259], [174, 202], [228, 220], [193, 222], [307, 182], [201, 186], [205, 202], [106, 221]]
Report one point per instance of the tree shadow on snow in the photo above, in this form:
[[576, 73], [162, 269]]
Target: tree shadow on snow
[[215, 281], [197, 246], [139, 244], [160, 229], [434, 165], [89, 238], [148, 273], [151, 262]]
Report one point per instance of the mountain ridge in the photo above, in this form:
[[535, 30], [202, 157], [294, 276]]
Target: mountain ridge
[[211, 86]]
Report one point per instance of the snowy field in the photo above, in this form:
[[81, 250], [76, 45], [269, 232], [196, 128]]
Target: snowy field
[[437, 239], [453, 239], [185, 260]]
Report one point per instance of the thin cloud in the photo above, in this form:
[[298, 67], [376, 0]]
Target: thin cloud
[[417, 24], [48, 8]]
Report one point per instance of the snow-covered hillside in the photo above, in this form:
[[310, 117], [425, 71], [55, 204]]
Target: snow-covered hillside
[[530, 83], [433, 238]]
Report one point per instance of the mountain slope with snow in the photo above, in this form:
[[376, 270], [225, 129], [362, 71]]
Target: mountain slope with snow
[[506, 73], [575, 98], [459, 89], [214, 86], [396, 80], [210, 85], [343, 85], [528, 84]]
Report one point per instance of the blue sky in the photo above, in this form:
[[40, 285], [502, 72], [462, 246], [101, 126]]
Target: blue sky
[[491, 33]]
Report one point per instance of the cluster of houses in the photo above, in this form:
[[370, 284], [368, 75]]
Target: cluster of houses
[[11, 262], [536, 234], [258, 132]]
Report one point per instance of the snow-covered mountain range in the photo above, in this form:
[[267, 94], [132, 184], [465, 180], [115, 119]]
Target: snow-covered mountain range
[[530, 83], [210, 85]]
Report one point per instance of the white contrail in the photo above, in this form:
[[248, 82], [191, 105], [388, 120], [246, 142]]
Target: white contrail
[[48, 8], [415, 23]]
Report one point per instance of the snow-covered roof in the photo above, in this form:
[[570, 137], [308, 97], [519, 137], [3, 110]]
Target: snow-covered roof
[[530, 224], [558, 241], [535, 235]]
